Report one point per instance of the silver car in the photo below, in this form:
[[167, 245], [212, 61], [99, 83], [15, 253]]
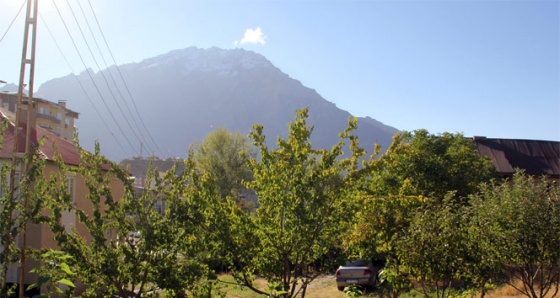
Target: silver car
[[360, 273]]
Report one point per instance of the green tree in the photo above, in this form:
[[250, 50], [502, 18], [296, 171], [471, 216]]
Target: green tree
[[418, 169], [166, 256], [518, 224], [25, 207], [420, 163], [377, 228], [9, 224], [301, 194], [434, 247], [18, 205], [484, 264], [226, 157]]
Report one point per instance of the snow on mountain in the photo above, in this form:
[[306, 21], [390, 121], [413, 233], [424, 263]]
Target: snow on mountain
[[224, 62]]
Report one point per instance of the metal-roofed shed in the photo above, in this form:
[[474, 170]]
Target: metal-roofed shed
[[534, 156]]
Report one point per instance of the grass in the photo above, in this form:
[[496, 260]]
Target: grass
[[235, 291]]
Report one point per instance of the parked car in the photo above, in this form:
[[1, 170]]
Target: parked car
[[133, 237], [359, 272]]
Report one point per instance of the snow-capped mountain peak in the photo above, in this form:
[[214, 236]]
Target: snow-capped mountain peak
[[193, 59]]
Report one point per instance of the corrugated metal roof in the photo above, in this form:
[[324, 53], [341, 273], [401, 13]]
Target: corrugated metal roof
[[67, 150], [534, 156]]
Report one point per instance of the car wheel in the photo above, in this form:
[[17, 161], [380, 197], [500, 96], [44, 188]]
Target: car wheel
[[340, 288]]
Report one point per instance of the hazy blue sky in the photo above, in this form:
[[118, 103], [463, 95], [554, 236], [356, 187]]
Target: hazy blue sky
[[489, 68]]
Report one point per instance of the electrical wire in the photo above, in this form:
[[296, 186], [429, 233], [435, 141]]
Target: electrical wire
[[10, 26], [140, 135], [91, 77], [102, 74], [81, 85], [123, 80], [113, 78]]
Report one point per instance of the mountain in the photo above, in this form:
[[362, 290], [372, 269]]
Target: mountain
[[11, 88], [185, 94]]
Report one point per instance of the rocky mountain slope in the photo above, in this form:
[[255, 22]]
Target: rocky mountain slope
[[185, 94]]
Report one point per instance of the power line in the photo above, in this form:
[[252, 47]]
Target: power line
[[82, 85], [123, 80], [112, 77], [102, 74], [10, 26], [92, 80]]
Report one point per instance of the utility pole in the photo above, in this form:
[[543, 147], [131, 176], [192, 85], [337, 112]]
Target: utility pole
[[27, 61]]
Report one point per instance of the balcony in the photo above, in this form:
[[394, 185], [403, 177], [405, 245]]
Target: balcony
[[49, 118]]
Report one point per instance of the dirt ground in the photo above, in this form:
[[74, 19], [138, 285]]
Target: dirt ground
[[325, 287]]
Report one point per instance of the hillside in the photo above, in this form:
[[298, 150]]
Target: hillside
[[185, 94]]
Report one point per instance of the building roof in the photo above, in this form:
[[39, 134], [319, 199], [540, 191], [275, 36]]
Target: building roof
[[69, 112], [67, 150], [533, 156]]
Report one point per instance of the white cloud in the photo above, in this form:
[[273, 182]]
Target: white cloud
[[253, 36]]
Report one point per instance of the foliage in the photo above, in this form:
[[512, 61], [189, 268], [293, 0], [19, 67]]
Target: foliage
[[9, 227], [394, 280], [301, 194], [521, 223], [420, 163], [434, 247], [352, 291], [55, 273], [483, 266], [108, 260], [225, 157], [377, 229], [416, 207], [418, 170], [20, 205], [180, 233]]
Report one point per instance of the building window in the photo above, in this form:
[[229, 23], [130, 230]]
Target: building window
[[67, 121], [59, 116], [42, 111], [71, 187]]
